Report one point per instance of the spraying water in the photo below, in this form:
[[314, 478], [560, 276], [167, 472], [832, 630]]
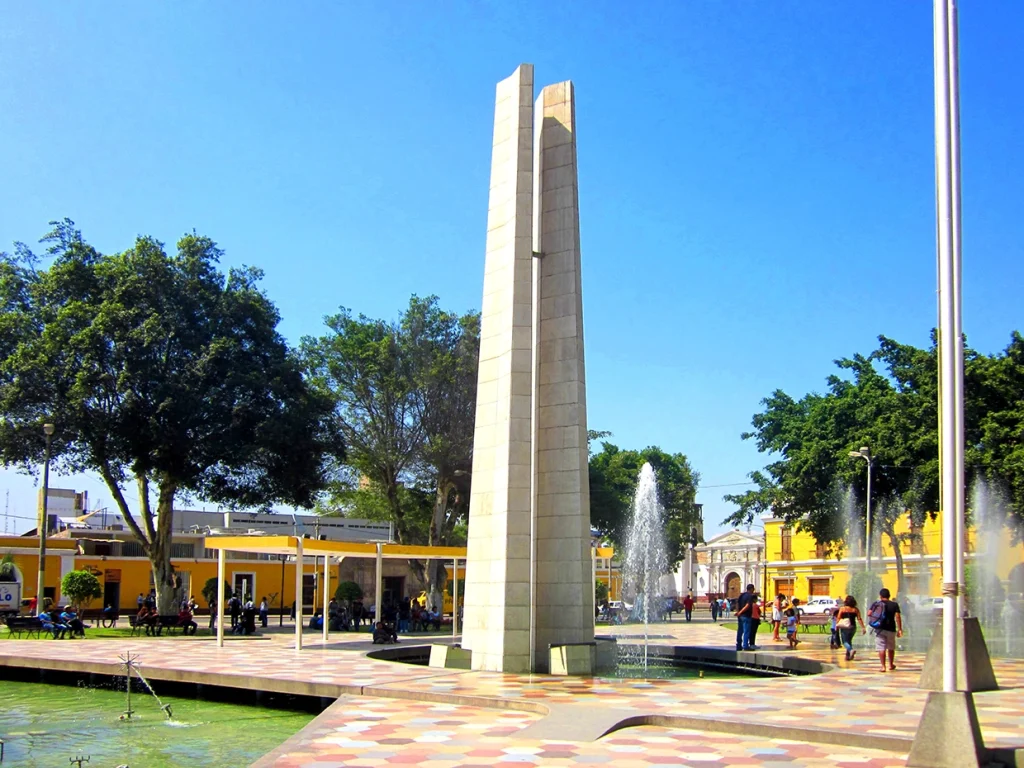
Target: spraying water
[[130, 664], [646, 560]]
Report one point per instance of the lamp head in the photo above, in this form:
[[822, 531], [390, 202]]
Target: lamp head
[[48, 429]]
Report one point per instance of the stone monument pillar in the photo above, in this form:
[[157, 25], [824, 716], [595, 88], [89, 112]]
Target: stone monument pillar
[[529, 581]]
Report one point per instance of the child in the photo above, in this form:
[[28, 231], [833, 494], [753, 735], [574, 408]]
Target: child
[[791, 626]]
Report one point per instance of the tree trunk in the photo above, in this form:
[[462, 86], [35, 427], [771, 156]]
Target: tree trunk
[[437, 576], [167, 593]]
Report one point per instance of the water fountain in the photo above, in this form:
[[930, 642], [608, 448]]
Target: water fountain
[[129, 664], [646, 560], [987, 599]]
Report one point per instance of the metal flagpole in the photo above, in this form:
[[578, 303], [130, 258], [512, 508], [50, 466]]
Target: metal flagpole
[[950, 405], [953, 67]]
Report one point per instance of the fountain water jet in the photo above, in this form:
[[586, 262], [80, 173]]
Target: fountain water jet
[[646, 559], [130, 664]]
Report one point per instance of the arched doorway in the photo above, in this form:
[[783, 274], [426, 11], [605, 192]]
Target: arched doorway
[[733, 585]]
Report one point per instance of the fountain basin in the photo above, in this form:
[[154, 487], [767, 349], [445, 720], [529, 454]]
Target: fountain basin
[[664, 661]]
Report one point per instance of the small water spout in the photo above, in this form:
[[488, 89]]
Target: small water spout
[[130, 664]]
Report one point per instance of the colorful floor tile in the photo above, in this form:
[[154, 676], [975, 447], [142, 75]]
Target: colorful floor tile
[[396, 714]]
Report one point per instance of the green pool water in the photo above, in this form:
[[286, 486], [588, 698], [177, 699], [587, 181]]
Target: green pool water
[[45, 725]]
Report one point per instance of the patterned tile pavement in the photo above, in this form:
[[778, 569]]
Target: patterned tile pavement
[[368, 727]]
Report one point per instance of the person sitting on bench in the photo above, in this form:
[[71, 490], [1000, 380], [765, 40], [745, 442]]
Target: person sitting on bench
[[52, 624], [188, 626], [74, 624]]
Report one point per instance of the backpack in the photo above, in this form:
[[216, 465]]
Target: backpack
[[876, 614]]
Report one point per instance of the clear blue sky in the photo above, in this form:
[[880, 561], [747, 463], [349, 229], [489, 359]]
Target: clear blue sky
[[756, 179]]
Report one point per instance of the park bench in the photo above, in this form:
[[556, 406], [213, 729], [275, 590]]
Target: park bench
[[818, 622], [169, 622], [28, 624]]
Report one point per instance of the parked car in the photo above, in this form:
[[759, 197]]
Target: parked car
[[823, 605], [932, 603]]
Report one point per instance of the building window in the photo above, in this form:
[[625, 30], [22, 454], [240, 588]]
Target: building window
[[821, 551], [818, 587], [787, 544], [183, 550]]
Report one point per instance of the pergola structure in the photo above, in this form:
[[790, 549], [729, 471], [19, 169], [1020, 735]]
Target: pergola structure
[[300, 548]]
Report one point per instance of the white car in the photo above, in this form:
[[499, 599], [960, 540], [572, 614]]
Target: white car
[[823, 605]]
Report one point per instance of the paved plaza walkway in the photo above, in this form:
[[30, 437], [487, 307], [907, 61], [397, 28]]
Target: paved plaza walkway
[[396, 714]]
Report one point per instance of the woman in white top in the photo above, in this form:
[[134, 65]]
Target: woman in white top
[[778, 604]]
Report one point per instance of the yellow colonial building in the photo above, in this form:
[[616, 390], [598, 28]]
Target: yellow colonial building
[[798, 566]]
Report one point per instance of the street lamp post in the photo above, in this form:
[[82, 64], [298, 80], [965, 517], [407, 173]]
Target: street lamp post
[[865, 453], [48, 430]]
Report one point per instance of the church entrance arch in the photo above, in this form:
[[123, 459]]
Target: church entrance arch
[[733, 585]]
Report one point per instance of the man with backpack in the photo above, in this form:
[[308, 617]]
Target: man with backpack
[[885, 619]]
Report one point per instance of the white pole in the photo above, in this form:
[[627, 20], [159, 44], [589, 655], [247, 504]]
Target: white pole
[[378, 601], [327, 592], [298, 593], [455, 599], [958, 380], [947, 343], [221, 572], [867, 523]]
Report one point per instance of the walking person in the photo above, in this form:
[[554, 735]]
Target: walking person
[[846, 624], [884, 618], [743, 613], [777, 607], [235, 606], [264, 612], [714, 610], [755, 620], [688, 606]]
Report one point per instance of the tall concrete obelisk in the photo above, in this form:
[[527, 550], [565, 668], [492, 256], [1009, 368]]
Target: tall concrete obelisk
[[529, 577]]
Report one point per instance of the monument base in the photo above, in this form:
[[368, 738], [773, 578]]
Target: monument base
[[973, 666], [573, 659], [948, 735], [450, 657]]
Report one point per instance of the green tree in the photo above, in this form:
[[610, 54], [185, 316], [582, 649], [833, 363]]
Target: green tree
[[7, 567], [157, 369], [405, 396], [995, 421], [892, 411], [888, 402], [347, 592], [614, 474], [210, 591], [80, 588], [600, 591]]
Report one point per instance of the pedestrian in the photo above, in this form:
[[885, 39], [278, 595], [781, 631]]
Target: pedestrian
[[777, 608], [714, 610], [792, 620], [264, 611], [235, 606], [139, 601], [213, 615], [846, 623], [688, 606], [884, 618], [743, 618], [755, 620]]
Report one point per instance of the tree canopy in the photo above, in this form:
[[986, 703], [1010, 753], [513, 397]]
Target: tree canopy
[[887, 401], [404, 394], [157, 369], [614, 474]]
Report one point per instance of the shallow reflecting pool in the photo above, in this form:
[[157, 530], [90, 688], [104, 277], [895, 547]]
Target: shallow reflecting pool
[[46, 725]]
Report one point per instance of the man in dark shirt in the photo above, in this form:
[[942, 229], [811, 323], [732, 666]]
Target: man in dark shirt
[[890, 628], [743, 616]]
